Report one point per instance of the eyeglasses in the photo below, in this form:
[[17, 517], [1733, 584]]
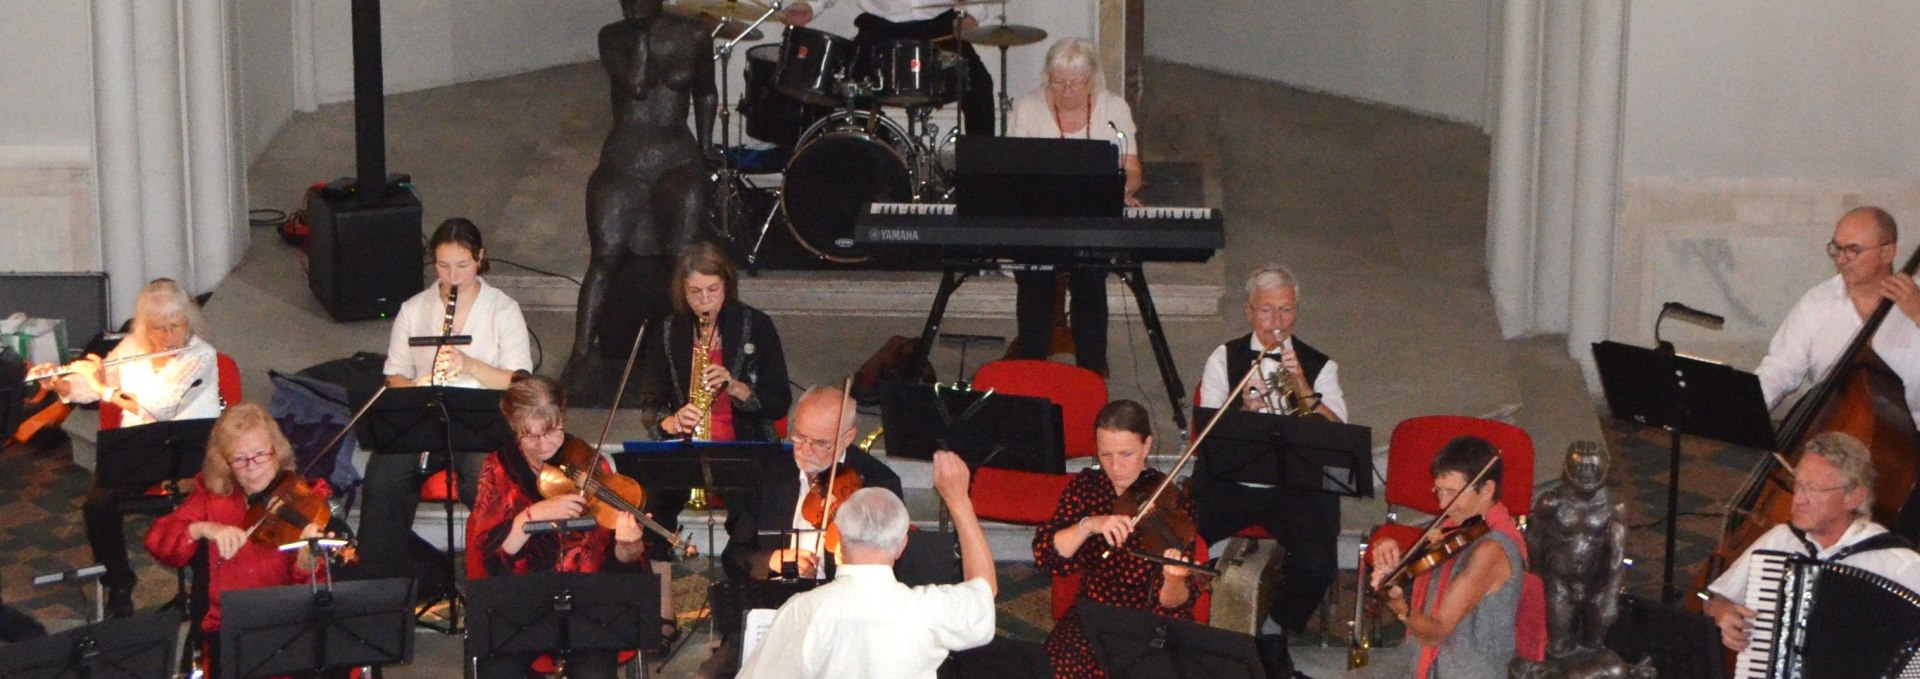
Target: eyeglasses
[[1800, 488], [528, 437], [1444, 493], [1846, 253], [810, 443], [242, 461]]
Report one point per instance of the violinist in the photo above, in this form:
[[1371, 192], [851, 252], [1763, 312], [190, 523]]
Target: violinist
[[716, 366], [822, 429], [865, 623], [179, 386], [1307, 524], [1088, 535], [1463, 610], [246, 454], [535, 409]]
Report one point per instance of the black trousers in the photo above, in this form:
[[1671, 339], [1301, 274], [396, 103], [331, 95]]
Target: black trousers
[[1087, 311], [388, 500], [1307, 525], [107, 533], [976, 103]]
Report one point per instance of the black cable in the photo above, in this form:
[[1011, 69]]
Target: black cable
[[538, 347], [542, 272], [266, 217]]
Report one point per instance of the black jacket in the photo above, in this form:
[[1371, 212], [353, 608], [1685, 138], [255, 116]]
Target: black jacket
[[771, 509], [750, 347]]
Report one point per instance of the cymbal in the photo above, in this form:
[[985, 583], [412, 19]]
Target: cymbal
[[959, 3], [745, 11], [727, 30], [1004, 35]]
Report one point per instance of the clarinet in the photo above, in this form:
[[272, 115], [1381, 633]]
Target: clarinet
[[446, 329]]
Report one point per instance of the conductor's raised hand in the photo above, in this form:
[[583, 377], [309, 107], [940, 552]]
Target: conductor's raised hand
[[950, 475]]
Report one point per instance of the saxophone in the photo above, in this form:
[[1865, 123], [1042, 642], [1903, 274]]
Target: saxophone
[[698, 395]]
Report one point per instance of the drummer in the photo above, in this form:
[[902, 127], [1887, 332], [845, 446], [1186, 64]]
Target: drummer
[[1072, 104], [882, 21]]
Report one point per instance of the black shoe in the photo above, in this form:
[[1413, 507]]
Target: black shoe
[[1275, 656], [670, 633], [119, 602]]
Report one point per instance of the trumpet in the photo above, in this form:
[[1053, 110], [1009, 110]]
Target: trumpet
[[1280, 396], [49, 372]]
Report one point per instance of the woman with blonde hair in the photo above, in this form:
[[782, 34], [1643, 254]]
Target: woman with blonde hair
[[178, 386], [246, 454]]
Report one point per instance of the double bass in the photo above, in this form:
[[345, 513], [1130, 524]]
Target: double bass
[[1861, 396]]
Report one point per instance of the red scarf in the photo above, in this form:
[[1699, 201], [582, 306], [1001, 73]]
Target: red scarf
[[1435, 581]]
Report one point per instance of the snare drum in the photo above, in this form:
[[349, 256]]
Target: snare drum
[[843, 163], [812, 64], [912, 73]]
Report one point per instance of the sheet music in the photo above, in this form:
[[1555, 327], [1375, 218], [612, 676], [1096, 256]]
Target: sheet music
[[759, 621]]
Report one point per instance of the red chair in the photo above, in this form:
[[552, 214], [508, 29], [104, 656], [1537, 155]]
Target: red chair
[[1018, 497], [1080, 393], [1410, 456]]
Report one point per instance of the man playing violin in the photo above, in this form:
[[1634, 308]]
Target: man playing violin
[[509, 498], [1089, 536], [865, 623], [822, 430], [246, 454], [1306, 523], [1463, 610]]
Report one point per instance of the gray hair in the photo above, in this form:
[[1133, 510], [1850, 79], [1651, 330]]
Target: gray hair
[[1073, 55], [1271, 277], [872, 518], [163, 299], [827, 395], [1850, 458]]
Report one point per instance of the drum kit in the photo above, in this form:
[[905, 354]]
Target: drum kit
[[822, 95]]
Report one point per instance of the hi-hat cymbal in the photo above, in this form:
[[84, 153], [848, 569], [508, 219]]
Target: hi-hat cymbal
[[722, 30], [745, 11], [1004, 35]]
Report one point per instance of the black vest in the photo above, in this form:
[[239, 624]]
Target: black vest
[[1240, 355]]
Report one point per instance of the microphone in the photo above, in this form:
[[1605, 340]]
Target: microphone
[[1121, 135], [1695, 316]]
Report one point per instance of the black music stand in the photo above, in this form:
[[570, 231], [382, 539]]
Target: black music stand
[[140, 647], [931, 557], [731, 599], [281, 630], [1002, 431], [1304, 453], [159, 453], [1138, 644], [563, 613], [719, 467], [1683, 395], [444, 420]]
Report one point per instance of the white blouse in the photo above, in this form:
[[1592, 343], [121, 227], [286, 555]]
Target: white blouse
[[1032, 117], [187, 388], [498, 329]]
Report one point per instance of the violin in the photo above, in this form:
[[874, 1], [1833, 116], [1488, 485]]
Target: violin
[[279, 514], [829, 489], [1428, 554], [1167, 526], [576, 468]]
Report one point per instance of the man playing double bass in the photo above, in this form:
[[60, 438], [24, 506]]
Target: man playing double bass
[[1818, 328]]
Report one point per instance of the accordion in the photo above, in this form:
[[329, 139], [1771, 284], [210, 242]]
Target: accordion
[[1823, 619]]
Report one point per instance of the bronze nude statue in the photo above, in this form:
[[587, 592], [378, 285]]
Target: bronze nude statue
[[649, 195], [1577, 536]]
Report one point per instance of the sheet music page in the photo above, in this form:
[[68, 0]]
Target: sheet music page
[[759, 620]]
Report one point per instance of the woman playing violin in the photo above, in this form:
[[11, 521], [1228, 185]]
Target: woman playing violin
[[535, 408], [246, 454], [1087, 536], [1462, 610]]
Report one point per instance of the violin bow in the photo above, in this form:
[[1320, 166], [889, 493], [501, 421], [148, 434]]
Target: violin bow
[[674, 540], [329, 446], [833, 468], [1414, 548], [1192, 447]]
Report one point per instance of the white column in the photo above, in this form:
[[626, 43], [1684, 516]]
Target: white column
[[216, 207], [1554, 160], [116, 153], [1597, 179], [156, 48], [1511, 203]]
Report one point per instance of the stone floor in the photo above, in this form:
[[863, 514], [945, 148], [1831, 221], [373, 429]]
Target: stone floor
[[1381, 212]]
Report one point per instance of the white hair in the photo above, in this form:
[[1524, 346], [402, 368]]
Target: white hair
[[1073, 55], [828, 397], [164, 300], [872, 518], [1271, 277]]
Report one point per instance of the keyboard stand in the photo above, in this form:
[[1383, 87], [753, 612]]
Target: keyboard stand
[[955, 273]]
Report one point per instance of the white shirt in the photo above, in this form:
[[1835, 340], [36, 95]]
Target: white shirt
[[1818, 328], [188, 388], [897, 11], [866, 624], [499, 332], [1215, 381], [1033, 117], [1900, 565]]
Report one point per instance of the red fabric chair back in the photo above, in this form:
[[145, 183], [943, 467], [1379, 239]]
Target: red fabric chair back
[[230, 391], [1417, 440], [1020, 497], [1080, 393]]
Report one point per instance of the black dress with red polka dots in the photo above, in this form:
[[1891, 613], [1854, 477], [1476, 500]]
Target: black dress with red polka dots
[[1119, 579]]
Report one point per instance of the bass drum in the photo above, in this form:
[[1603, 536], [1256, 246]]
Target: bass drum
[[843, 163]]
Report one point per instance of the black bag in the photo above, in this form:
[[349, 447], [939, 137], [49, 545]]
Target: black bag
[[890, 363]]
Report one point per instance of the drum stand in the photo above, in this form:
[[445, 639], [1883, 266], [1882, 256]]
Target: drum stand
[[727, 182], [928, 185]]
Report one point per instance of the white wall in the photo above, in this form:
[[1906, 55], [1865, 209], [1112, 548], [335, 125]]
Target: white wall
[[1763, 88], [429, 43], [264, 31], [46, 137], [1430, 56]]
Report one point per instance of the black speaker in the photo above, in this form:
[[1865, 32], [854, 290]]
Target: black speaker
[[363, 261]]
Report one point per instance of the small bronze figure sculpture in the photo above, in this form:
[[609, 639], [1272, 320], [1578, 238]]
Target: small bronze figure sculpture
[[649, 195], [1577, 536]]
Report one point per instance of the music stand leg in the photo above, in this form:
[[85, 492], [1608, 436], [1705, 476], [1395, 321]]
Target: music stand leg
[[1668, 594], [1136, 279]]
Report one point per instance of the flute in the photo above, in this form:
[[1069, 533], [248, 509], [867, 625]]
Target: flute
[[68, 369]]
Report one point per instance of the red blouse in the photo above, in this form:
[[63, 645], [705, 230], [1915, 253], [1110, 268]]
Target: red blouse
[[255, 565], [1119, 579], [496, 503]]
